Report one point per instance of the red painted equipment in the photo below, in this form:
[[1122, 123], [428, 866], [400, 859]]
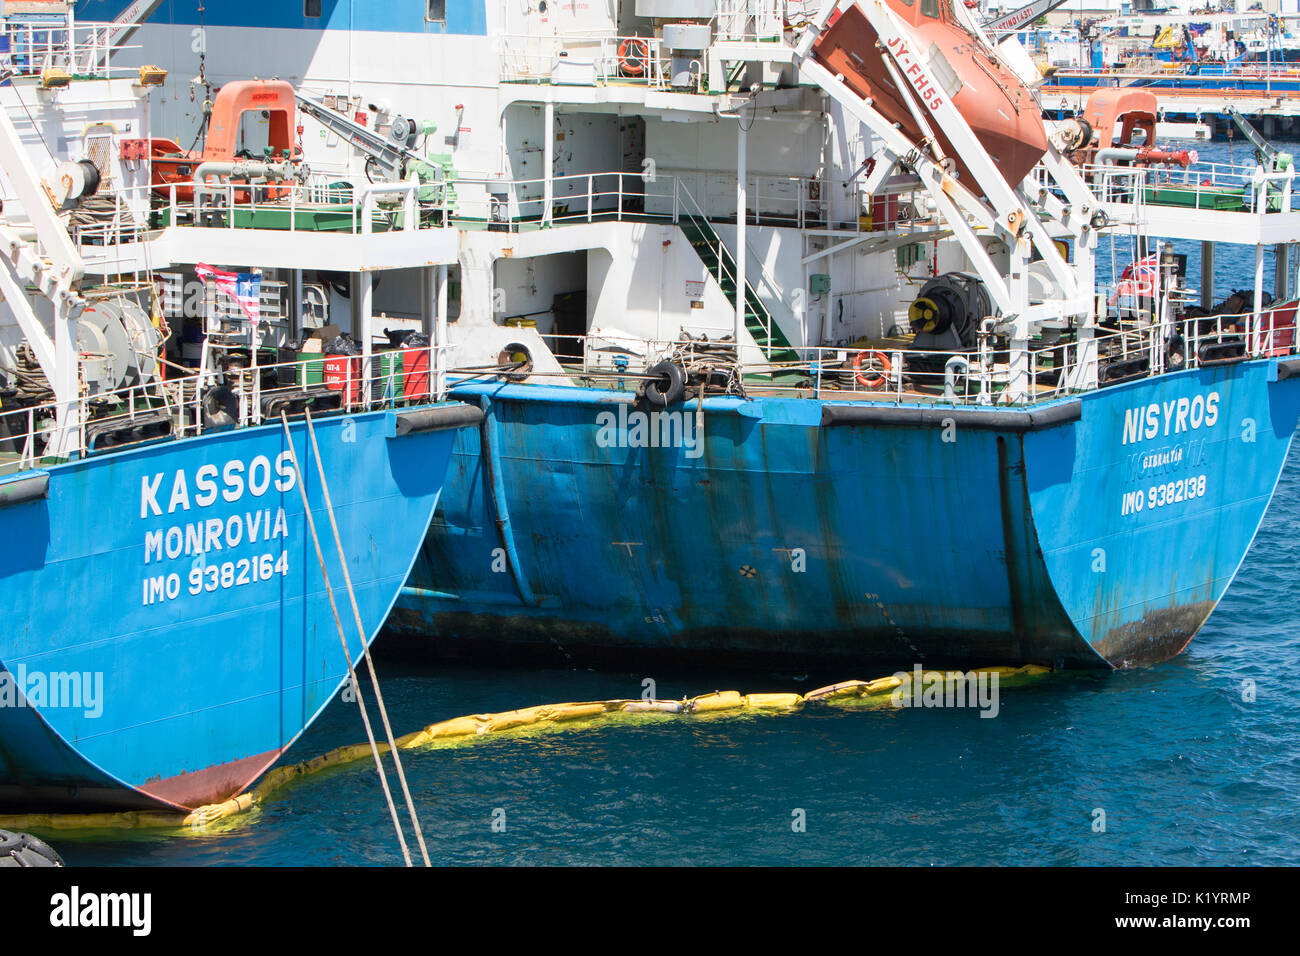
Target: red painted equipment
[[274, 98], [994, 102], [1168, 157], [415, 379], [1117, 116]]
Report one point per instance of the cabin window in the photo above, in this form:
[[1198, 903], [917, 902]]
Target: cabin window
[[435, 11], [930, 8], [311, 8], [907, 3]]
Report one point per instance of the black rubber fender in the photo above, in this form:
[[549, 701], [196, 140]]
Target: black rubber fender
[[21, 849], [668, 387], [1175, 352], [220, 407]]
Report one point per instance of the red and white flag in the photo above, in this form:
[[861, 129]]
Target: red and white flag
[[244, 287], [1142, 275]]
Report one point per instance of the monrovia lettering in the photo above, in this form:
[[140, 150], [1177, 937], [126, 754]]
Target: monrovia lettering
[[215, 534]]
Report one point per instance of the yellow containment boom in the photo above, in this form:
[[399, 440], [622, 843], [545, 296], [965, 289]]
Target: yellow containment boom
[[885, 692]]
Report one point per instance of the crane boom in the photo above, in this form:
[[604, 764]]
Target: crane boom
[[1010, 22], [1266, 154], [124, 25], [386, 153]]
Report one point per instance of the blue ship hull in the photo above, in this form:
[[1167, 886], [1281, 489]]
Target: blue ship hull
[[1199, 81], [1094, 531], [166, 636]]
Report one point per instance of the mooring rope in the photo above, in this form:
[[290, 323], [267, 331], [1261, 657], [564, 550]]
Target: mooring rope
[[365, 645], [461, 731], [347, 654]]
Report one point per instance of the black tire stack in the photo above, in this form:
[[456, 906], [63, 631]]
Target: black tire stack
[[21, 849]]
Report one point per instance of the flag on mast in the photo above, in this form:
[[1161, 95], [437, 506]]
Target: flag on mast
[[244, 287]]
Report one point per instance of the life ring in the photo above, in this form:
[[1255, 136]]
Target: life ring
[[871, 377], [633, 63]]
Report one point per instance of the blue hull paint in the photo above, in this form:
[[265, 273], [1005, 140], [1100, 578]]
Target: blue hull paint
[[787, 538], [198, 602], [1202, 82], [463, 17]]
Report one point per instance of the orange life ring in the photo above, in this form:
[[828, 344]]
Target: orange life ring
[[871, 378], [630, 63]]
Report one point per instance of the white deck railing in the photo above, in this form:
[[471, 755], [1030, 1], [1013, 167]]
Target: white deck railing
[[80, 49], [176, 407], [582, 59]]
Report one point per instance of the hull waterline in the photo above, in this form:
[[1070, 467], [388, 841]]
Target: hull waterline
[[1092, 532]]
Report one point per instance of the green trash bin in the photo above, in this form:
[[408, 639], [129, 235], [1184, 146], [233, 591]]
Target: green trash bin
[[312, 372], [387, 383]]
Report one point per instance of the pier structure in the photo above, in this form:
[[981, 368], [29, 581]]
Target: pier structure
[[1275, 113]]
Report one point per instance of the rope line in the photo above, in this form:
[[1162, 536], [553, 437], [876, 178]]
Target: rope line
[[365, 645], [347, 655]]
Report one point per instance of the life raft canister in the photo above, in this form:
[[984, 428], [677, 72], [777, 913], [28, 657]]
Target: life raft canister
[[876, 374], [633, 53]]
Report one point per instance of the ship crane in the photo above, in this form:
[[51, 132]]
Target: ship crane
[[1268, 155], [389, 157], [124, 25], [1008, 23]]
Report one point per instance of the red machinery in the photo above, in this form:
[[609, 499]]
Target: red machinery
[[274, 98], [1125, 120], [1116, 117]]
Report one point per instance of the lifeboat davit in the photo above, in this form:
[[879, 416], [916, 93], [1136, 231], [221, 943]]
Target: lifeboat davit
[[1000, 109], [272, 99]]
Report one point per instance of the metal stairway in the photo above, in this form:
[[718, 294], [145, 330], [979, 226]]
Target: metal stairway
[[720, 263]]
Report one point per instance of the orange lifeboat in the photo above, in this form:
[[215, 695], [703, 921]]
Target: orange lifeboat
[[1000, 109]]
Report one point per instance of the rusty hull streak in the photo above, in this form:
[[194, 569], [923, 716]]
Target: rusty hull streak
[[1158, 636]]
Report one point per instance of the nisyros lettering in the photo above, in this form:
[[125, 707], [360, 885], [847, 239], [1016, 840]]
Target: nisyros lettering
[[1172, 417]]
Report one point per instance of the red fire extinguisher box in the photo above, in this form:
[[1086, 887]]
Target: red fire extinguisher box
[[415, 370], [343, 374]]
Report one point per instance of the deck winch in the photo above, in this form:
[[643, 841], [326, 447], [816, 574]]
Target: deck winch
[[119, 345], [947, 313]]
